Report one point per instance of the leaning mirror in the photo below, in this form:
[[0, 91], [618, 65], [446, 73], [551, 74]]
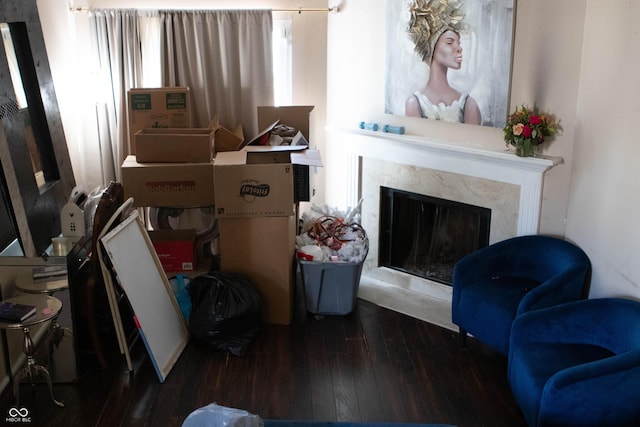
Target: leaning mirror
[[36, 171]]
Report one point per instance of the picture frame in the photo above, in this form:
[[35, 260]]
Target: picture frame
[[140, 274], [486, 40]]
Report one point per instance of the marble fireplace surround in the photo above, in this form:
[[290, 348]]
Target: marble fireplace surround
[[510, 186]]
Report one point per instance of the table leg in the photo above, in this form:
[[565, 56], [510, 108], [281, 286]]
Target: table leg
[[31, 369]]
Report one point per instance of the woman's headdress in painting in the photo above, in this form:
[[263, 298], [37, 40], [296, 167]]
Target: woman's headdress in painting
[[429, 19]]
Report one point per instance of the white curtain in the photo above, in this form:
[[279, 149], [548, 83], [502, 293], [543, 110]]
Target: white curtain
[[119, 53], [225, 58]]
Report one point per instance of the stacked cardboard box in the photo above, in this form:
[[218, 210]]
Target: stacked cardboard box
[[166, 107], [168, 184], [255, 189], [175, 145], [171, 165], [256, 211]]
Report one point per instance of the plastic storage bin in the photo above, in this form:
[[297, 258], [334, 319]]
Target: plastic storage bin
[[330, 287]]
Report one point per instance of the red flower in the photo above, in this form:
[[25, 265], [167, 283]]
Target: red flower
[[526, 131], [535, 120]]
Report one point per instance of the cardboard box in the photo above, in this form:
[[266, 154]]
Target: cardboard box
[[174, 145], [253, 184], [258, 181], [296, 116], [263, 249], [227, 140], [166, 107], [175, 249], [168, 184]]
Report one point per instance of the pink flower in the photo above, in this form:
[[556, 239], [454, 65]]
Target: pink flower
[[526, 131], [517, 129], [535, 120]]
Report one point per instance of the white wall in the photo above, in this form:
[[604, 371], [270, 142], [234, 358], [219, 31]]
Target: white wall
[[604, 206], [575, 58]]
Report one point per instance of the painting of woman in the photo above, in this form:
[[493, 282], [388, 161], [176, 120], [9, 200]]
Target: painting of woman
[[442, 65]]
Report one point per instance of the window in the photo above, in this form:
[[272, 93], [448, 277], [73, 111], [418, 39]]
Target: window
[[282, 62], [281, 48]]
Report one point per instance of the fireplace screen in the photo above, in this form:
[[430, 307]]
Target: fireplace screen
[[425, 236]]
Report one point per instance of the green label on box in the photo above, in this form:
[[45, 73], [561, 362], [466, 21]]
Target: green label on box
[[176, 101], [141, 101]]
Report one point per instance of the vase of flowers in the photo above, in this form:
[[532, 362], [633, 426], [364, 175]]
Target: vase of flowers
[[527, 128]]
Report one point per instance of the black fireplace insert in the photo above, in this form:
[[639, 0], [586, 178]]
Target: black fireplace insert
[[425, 236]]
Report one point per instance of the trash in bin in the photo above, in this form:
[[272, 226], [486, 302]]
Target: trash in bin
[[331, 251]]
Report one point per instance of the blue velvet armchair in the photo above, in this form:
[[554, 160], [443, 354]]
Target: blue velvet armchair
[[495, 284], [578, 364]]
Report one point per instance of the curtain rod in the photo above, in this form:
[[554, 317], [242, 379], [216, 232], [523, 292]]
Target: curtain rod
[[299, 10]]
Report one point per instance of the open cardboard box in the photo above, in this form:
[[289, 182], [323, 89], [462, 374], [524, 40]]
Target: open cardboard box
[[226, 140], [296, 116], [165, 107], [258, 180], [174, 145]]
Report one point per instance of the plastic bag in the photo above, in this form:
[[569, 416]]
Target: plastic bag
[[214, 415], [180, 287], [226, 311]]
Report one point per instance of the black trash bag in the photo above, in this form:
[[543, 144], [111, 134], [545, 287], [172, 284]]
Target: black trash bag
[[226, 312]]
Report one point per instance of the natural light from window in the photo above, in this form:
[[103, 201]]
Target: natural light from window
[[281, 48], [282, 62]]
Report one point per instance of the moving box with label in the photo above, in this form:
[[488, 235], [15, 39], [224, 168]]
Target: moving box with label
[[258, 180], [168, 184], [166, 107]]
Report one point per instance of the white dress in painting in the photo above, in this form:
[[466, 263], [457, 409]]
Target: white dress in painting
[[447, 113]]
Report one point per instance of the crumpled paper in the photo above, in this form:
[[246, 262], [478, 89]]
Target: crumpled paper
[[355, 244]]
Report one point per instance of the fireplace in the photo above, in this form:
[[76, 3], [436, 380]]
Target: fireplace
[[510, 187], [425, 236]]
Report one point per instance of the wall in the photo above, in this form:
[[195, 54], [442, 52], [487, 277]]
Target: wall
[[567, 63], [604, 205]]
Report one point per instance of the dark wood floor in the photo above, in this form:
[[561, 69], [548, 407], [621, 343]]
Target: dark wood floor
[[372, 365]]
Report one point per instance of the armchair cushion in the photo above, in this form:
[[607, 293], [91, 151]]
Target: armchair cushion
[[578, 364]]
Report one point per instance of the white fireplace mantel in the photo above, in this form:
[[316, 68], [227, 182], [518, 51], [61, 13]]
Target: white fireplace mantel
[[495, 164], [513, 185]]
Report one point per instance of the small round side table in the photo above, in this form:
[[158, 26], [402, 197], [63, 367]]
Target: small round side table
[[47, 308], [28, 285]]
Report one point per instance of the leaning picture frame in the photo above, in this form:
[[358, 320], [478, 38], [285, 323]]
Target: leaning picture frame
[[156, 311]]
